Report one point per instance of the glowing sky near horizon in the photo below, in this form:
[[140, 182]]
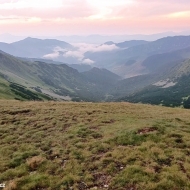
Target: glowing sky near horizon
[[68, 17]]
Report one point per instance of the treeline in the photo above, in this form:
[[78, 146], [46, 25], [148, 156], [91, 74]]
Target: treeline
[[26, 94]]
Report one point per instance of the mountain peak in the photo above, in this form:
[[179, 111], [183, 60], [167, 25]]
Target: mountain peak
[[109, 43], [30, 39]]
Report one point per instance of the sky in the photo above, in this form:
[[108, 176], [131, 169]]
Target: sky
[[85, 17]]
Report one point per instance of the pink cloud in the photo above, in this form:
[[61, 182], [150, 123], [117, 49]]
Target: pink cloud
[[81, 17], [71, 9]]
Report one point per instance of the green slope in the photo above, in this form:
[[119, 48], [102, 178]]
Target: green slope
[[178, 94], [5, 91], [9, 90], [48, 77], [59, 81]]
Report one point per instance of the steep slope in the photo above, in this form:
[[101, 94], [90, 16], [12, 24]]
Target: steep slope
[[159, 66], [9, 90], [59, 81], [162, 62], [49, 78], [80, 67], [41, 60], [172, 90], [101, 76], [130, 85], [5, 91], [103, 79]]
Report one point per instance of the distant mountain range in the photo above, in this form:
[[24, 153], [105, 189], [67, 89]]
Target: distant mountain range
[[33, 48], [132, 61], [127, 44], [127, 59], [155, 72], [95, 38]]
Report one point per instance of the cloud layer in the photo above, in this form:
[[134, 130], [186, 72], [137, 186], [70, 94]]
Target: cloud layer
[[93, 16], [79, 52]]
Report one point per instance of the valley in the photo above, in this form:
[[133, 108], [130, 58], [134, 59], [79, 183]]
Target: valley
[[129, 71]]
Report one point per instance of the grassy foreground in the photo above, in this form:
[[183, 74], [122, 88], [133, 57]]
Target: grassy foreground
[[116, 146]]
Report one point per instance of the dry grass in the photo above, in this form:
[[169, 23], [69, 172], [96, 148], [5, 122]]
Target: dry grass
[[34, 162], [56, 145]]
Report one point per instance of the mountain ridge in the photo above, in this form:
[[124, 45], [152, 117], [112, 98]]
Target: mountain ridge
[[57, 79]]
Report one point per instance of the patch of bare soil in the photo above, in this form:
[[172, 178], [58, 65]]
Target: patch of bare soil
[[146, 130], [102, 180]]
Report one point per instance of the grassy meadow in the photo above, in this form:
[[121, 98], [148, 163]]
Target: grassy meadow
[[116, 146]]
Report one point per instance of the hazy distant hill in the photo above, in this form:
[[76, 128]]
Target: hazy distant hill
[[117, 38], [127, 61], [162, 45], [33, 47], [131, 43], [127, 44], [164, 61]]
